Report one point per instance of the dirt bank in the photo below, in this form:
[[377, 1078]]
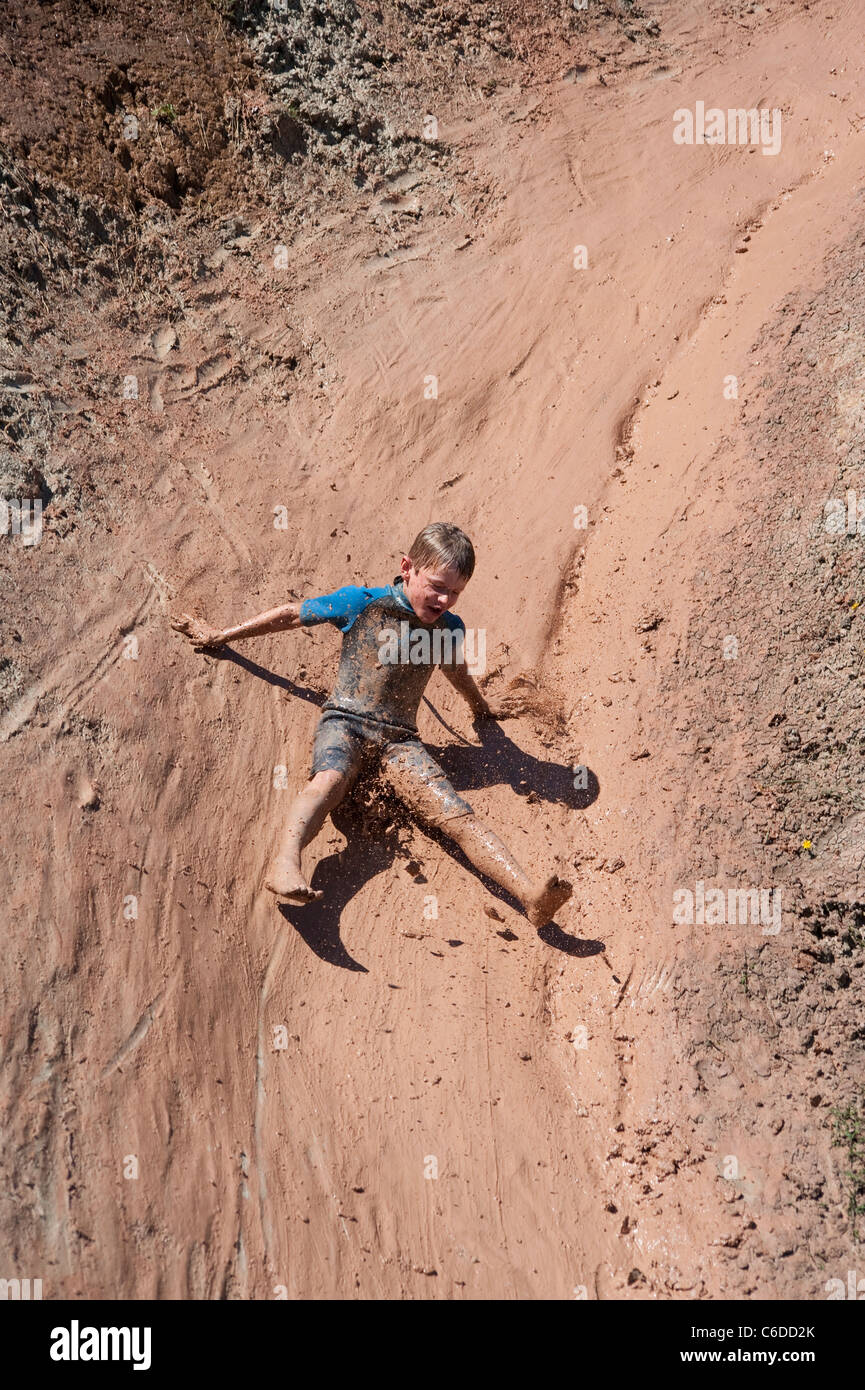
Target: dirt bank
[[248, 351]]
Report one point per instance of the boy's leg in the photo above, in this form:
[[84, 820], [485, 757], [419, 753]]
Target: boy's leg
[[337, 753], [419, 781], [305, 818], [540, 898]]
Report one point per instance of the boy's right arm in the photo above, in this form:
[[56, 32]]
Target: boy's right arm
[[283, 619]]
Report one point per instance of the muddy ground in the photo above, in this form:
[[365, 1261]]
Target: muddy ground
[[280, 284]]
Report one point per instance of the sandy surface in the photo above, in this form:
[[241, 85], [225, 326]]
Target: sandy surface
[[393, 1094]]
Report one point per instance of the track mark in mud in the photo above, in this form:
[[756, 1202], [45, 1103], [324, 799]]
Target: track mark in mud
[[657, 978], [524, 359], [21, 712], [140, 1031], [163, 587], [24, 708], [624, 430], [204, 480], [576, 178], [260, 1093], [395, 258], [495, 1147], [237, 1266], [624, 987], [627, 431], [210, 373], [98, 672]]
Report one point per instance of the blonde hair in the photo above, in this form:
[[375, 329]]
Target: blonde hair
[[442, 543]]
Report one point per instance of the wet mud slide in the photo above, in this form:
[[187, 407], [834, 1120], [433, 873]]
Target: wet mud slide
[[281, 285]]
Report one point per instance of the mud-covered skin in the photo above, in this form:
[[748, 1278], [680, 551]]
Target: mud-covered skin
[[383, 690], [348, 743]]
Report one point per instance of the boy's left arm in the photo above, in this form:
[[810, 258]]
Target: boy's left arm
[[462, 680]]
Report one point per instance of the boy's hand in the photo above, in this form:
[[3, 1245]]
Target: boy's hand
[[507, 707], [198, 633]]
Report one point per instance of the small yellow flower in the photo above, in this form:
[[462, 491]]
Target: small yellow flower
[[806, 844]]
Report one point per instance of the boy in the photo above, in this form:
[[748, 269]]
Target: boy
[[371, 713]]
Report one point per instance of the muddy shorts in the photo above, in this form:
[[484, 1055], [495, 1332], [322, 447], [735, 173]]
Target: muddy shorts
[[349, 744]]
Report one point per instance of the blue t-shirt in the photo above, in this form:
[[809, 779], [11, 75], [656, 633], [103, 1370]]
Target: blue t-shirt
[[388, 654], [344, 606]]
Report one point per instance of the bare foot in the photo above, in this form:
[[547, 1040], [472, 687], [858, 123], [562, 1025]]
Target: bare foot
[[287, 882], [544, 906]]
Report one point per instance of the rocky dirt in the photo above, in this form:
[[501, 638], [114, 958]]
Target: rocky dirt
[[281, 283]]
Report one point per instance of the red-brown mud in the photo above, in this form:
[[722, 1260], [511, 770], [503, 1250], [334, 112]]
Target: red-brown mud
[[247, 354]]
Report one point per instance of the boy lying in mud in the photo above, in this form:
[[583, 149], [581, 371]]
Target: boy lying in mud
[[393, 638]]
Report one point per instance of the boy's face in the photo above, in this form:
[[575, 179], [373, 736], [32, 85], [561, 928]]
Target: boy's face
[[431, 592]]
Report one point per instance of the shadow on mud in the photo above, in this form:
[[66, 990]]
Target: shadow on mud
[[497, 760], [302, 692]]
